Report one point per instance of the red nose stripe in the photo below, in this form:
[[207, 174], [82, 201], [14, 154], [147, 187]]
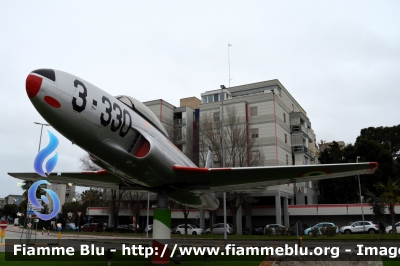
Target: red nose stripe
[[33, 84], [51, 101]]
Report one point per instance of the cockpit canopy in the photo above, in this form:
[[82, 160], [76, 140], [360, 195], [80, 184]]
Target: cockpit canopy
[[143, 111]]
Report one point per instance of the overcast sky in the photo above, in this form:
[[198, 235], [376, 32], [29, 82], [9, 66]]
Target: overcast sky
[[340, 60]]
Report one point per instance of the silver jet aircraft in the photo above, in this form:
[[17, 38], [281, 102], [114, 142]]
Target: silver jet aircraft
[[126, 139]]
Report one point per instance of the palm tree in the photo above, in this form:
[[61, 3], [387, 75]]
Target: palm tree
[[378, 208], [390, 195]]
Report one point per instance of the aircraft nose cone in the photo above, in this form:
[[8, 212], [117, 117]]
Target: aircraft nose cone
[[33, 84]]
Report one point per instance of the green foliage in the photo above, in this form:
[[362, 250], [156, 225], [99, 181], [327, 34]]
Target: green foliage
[[281, 231], [314, 231], [378, 206], [73, 207], [10, 210], [269, 231], [291, 231], [390, 194], [329, 231], [373, 145], [388, 137]]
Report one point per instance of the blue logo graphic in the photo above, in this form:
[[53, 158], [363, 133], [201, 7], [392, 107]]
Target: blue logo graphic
[[38, 165], [51, 163], [32, 198]]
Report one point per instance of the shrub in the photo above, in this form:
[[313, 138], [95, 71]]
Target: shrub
[[281, 231], [291, 231], [268, 231], [314, 231], [330, 231]]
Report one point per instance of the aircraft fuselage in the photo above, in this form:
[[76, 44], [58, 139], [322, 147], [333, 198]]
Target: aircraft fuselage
[[122, 138]]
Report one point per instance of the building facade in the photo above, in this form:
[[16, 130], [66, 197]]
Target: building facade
[[269, 118]]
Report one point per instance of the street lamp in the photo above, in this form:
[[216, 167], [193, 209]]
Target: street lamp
[[223, 155], [41, 130], [359, 187]]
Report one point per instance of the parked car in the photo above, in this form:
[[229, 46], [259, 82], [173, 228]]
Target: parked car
[[92, 227], [191, 230], [218, 229], [273, 228], [320, 226], [70, 227], [258, 230], [108, 228], [388, 229], [358, 227], [129, 228]]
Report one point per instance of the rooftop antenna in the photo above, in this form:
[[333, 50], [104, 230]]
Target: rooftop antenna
[[229, 65]]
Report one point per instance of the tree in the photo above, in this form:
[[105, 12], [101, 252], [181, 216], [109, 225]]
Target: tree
[[345, 189], [388, 137], [186, 211], [235, 201], [239, 146], [240, 149], [10, 210], [87, 164], [115, 197], [378, 207], [390, 193], [72, 207], [92, 197], [338, 190], [136, 199]]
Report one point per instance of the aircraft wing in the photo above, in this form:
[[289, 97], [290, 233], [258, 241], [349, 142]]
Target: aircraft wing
[[101, 179], [254, 178], [218, 179]]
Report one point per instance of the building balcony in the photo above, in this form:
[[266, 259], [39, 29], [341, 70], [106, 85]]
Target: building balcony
[[303, 130], [303, 149], [180, 121]]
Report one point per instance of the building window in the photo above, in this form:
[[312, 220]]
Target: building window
[[285, 138], [204, 99], [253, 111], [216, 117], [287, 159], [215, 97], [254, 133], [284, 117]]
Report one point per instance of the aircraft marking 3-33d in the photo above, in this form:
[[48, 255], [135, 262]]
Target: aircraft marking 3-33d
[[126, 139]]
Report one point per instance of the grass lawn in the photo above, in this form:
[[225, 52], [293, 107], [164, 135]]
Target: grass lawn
[[211, 262], [253, 237]]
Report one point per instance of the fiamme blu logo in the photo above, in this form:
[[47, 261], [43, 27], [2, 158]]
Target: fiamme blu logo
[[38, 166]]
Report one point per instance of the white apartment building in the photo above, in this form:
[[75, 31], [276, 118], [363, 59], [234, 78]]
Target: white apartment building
[[276, 123]]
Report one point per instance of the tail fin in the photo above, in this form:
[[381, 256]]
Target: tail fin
[[209, 161]]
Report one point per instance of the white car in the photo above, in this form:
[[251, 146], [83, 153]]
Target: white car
[[388, 229], [191, 229], [358, 227], [218, 229]]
